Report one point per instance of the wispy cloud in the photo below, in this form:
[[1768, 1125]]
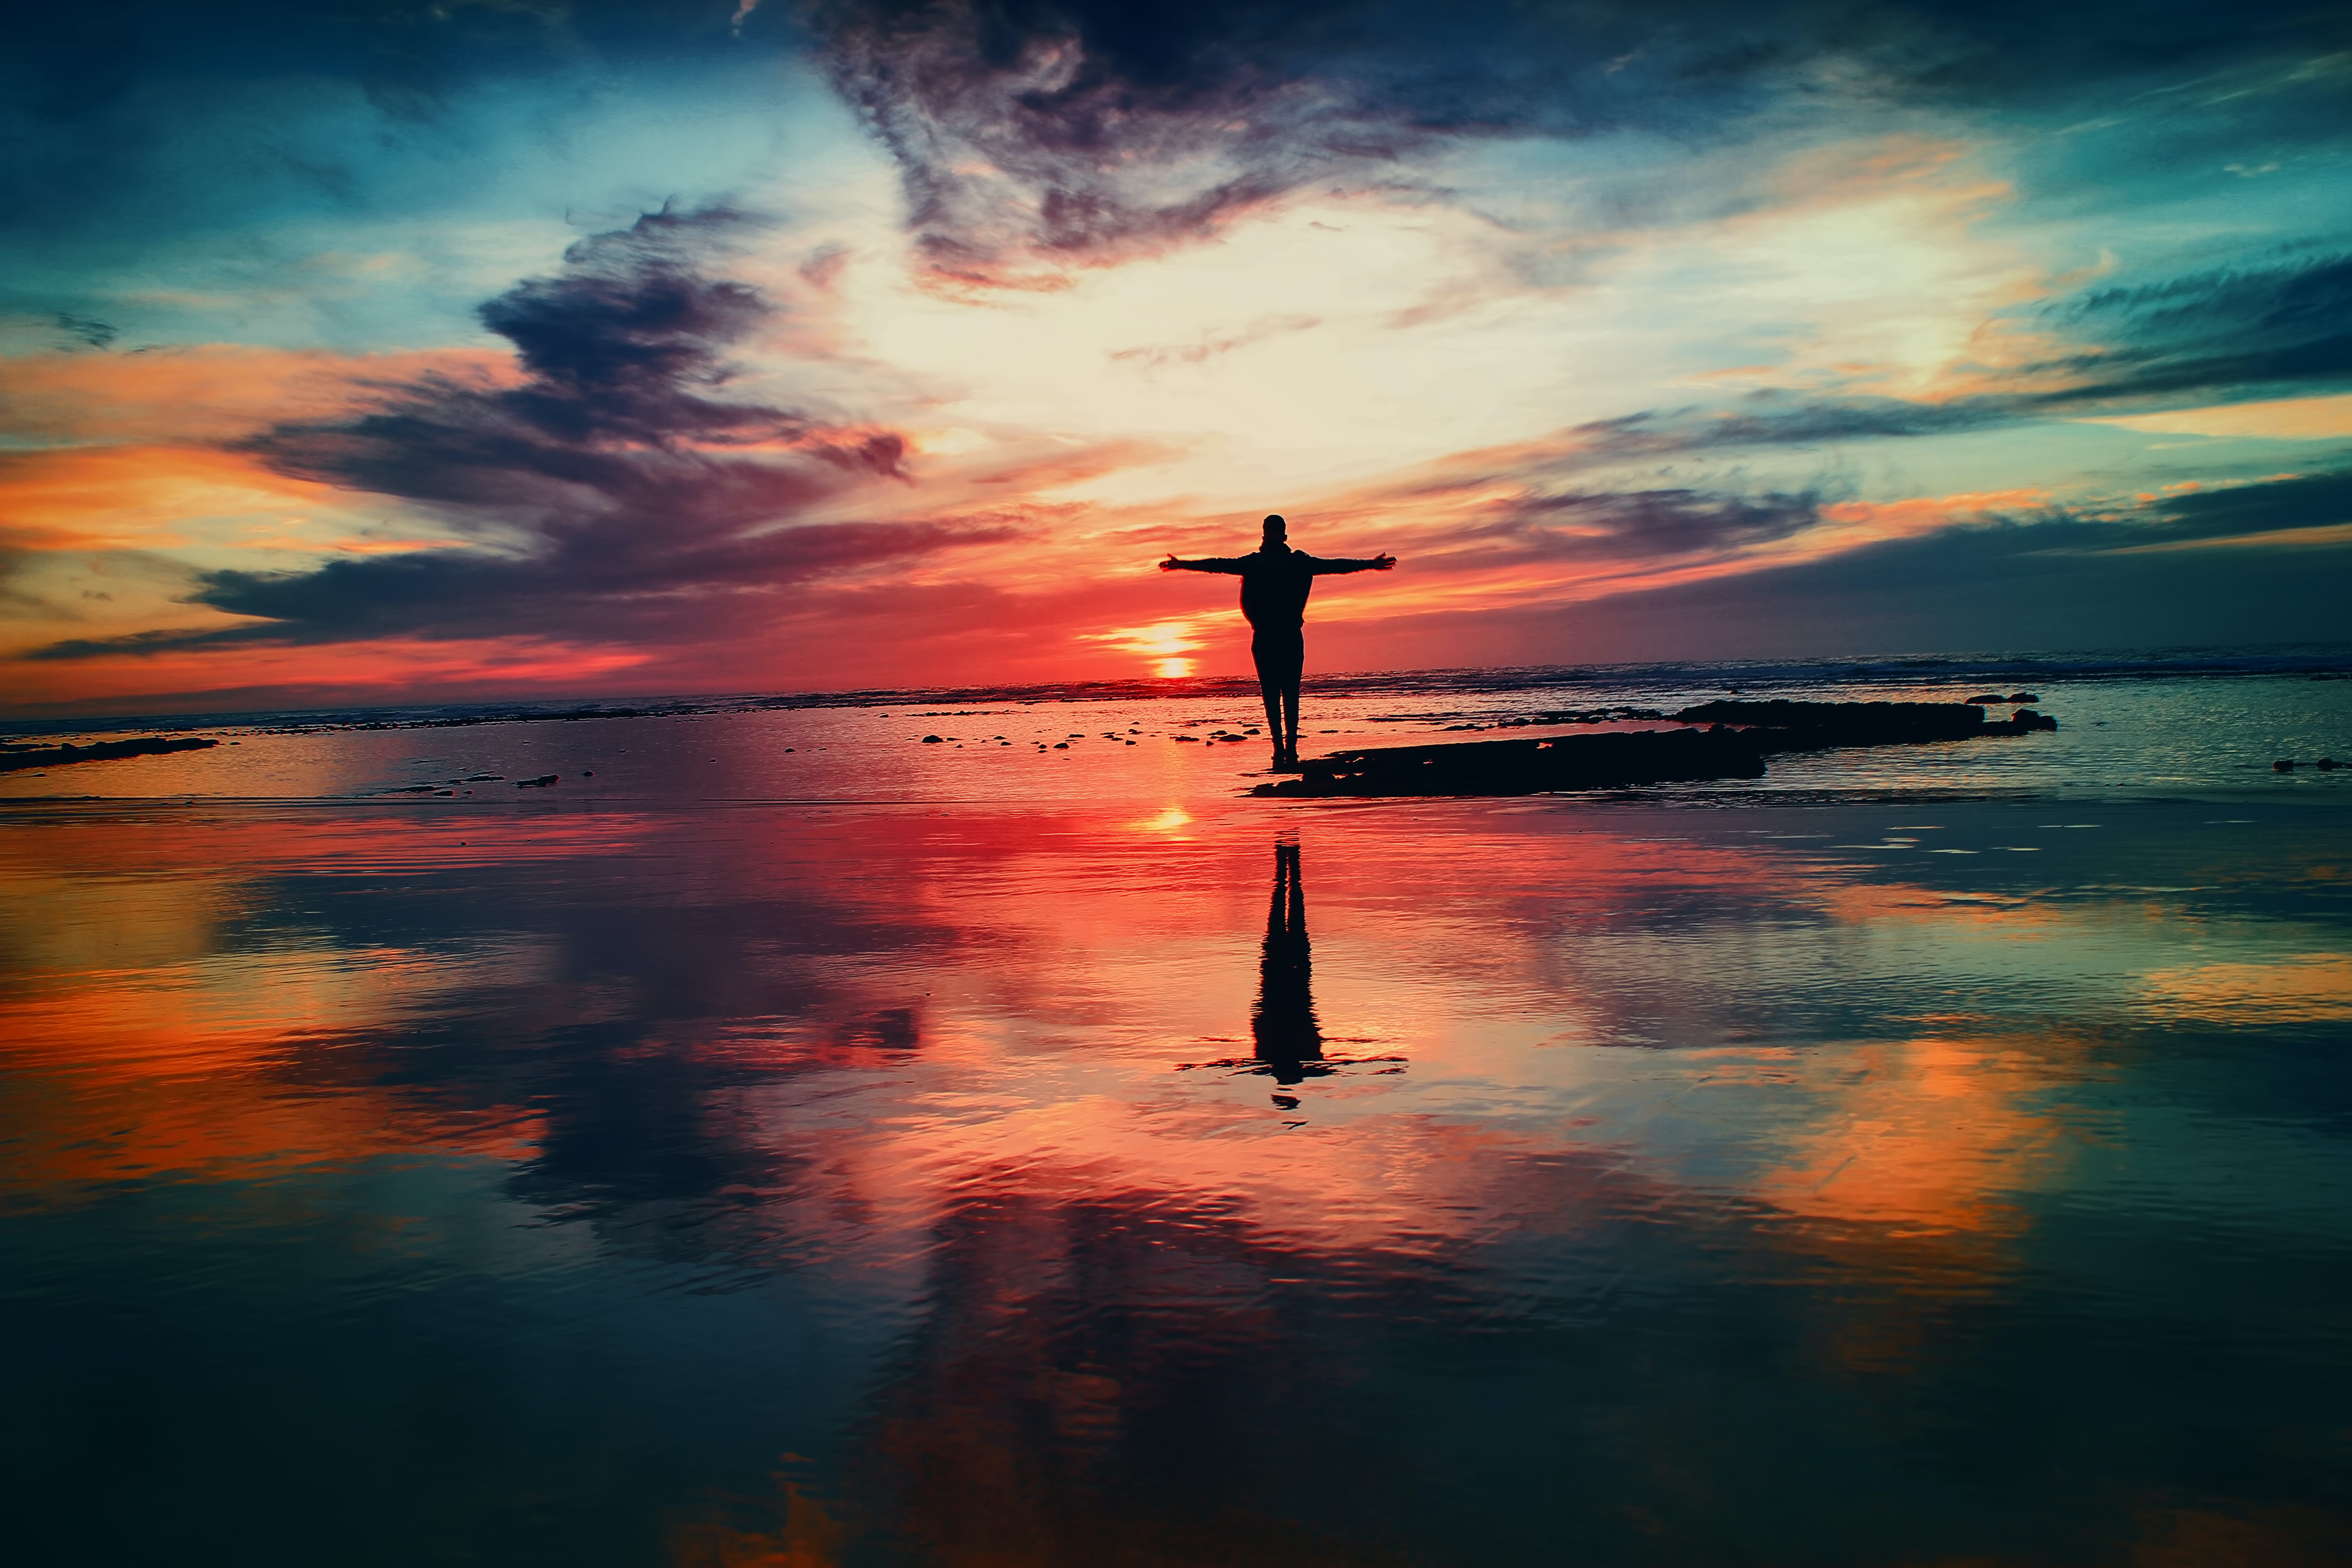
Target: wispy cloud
[[611, 492]]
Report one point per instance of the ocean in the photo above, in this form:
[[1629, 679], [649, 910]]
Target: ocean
[[784, 1139], [2192, 722]]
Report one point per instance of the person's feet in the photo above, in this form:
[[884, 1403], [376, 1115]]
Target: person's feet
[[1286, 763]]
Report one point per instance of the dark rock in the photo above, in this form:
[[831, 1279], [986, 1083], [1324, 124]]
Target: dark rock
[[2283, 765], [1818, 726], [542, 781], [103, 752], [2325, 764], [1526, 767], [2024, 697], [1738, 736], [932, 740], [1992, 697]]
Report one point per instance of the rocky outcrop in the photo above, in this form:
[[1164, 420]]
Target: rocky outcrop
[[104, 750], [1737, 739], [1788, 726], [1528, 768]]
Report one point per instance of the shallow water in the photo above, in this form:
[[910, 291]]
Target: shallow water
[[2128, 734], [1118, 1171]]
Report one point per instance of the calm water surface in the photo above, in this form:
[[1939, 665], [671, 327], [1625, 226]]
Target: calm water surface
[[1124, 1173]]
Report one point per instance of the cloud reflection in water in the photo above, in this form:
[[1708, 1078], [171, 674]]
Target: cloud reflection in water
[[1743, 1199]]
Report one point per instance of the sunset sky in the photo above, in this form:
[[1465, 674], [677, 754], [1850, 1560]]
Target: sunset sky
[[385, 351]]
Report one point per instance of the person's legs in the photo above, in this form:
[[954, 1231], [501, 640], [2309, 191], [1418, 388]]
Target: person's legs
[[1280, 656], [1269, 687], [1290, 706]]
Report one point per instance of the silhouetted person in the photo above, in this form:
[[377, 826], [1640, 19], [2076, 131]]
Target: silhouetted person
[[1276, 581], [1283, 1023]]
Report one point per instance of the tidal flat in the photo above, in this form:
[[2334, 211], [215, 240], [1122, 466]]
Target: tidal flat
[[1398, 1182], [785, 1139]]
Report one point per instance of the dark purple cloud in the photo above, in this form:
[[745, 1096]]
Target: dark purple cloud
[[1073, 132], [2217, 567], [612, 493], [2247, 331], [1645, 525]]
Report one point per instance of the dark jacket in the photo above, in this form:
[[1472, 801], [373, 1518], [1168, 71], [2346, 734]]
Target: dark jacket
[[1275, 587]]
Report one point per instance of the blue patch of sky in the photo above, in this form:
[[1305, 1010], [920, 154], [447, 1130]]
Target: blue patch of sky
[[299, 212]]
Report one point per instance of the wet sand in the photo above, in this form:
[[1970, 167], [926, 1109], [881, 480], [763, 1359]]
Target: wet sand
[[555, 1180]]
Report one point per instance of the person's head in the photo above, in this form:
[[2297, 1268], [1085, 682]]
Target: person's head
[[1276, 531]]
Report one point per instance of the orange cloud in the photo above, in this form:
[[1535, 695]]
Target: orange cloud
[[208, 392], [141, 497], [2277, 418], [233, 676]]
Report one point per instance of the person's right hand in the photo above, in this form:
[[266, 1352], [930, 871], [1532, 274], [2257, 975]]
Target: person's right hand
[[1384, 562], [1168, 564]]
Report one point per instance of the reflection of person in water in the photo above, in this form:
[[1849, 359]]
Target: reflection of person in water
[[1283, 1024], [1276, 581]]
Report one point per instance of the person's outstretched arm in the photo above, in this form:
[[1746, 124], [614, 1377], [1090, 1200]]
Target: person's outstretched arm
[[1230, 565], [1340, 565]]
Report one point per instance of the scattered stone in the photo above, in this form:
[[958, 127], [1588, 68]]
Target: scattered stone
[[932, 740], [2283, 765], [1989, 697], [542, 781], [2024, 697], [2325, 764]]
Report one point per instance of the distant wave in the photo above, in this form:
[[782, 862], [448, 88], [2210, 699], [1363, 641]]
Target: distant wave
[[1599, 682]]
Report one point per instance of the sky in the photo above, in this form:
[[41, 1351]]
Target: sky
[[388, 352]]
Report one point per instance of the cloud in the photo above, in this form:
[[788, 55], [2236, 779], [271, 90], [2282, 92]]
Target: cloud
[[87, 331], [2256, 564], [1034, 136], [1213, 345], [1775, 418], [1037, 135], [2209, 337], [2251, 329], [1652, 527], [610, 492], [2304, 500]]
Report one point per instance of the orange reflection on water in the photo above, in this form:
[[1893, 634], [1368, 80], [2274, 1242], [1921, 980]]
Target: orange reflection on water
[[1924, 1136], [143, 1037], [1016, 1065], [2302, 988]]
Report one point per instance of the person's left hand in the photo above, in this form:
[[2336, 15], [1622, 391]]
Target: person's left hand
[[1383, 563], [1168, 564]]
